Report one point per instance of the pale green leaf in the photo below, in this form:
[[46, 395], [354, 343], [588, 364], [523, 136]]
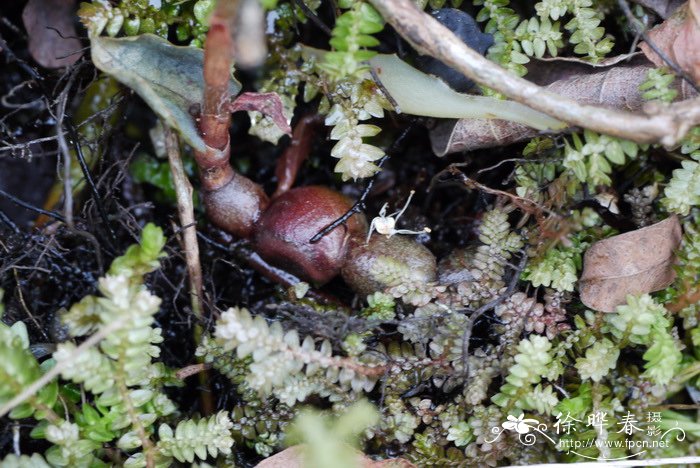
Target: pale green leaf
[[169, 78]]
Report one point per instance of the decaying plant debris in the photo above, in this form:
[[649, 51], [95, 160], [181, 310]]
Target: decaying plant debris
[[637, 262], [302, 261]]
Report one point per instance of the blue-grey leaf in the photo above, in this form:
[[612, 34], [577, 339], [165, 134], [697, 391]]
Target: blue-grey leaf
[[168, 77]]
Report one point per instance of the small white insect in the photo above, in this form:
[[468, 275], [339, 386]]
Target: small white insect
[[386, 225]]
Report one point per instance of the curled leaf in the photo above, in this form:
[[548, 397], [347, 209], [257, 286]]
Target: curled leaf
[[268, 104], [169, 78], [635, 262]]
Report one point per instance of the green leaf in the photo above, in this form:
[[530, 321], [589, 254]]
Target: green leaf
[[19, 329], [615, 153], [99, 434], [91, 415], [203, 9], [49, 394], [169, 78], [70, 392], [22, 411], [577, 405], [39, 431], [630, 148], [152, 240]]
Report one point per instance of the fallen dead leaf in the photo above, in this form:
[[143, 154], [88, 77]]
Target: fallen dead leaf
[[293, 458], [686, 48], [51, 30], [679, 38], [635, 262]]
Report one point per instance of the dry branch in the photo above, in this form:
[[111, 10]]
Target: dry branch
[[614, 87], [660, 124], [185, 209]]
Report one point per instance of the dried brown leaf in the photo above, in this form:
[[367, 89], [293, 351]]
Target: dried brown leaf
[[686, 48], [51, 29], [679, 38], [663, 36], [294, 458], [635, 262]]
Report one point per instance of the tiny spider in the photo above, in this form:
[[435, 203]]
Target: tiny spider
[[386, 225]]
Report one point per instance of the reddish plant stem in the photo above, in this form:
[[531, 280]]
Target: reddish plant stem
[[296, 153], [217, 68], [691, 296], [215, 119]]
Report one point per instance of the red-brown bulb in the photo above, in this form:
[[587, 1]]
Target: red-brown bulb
[[236, 206], [283, 232]]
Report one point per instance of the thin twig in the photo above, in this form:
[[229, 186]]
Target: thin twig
[[5, 219], [191, 370], [20, 296], [665, 124], [23, 204], [72, 134], [65, 152], [185, 209], [357, 207], [24, 146], [244, 254], [525, 204], [309, 13]]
